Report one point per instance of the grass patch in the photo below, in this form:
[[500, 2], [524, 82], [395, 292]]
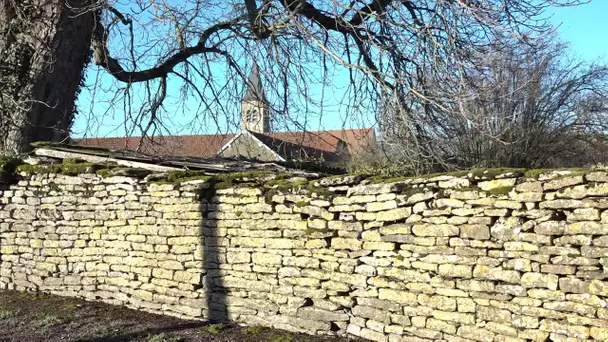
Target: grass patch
[[70, 306], [216, 329], [256, 331], [49, 321], [287, 337], [4, 314], [163, 338]]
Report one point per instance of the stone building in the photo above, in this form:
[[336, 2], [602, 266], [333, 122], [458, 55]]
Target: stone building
[[256, 140]]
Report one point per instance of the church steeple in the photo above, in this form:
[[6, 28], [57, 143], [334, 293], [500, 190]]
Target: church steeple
[[254, 106], [255, 91]]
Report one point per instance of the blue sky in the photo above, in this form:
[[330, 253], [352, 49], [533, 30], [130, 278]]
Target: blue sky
[[584, 27]]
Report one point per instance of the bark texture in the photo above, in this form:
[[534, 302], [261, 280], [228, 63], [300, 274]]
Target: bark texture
[[44, 48]]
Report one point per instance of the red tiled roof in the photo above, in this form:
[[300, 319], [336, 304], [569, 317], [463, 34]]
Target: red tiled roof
[[328, 140], [207, 145]]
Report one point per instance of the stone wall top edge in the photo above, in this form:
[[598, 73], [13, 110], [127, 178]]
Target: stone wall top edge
[[349, 182]]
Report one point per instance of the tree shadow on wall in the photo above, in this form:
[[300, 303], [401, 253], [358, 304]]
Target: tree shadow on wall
[[211, 285], [215, 309]]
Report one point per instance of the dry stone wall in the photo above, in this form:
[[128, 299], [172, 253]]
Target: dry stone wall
[[484, 256]]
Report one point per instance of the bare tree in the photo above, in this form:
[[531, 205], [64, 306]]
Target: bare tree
[[388, 47], [204, 47], [44, 48], [527, 107]]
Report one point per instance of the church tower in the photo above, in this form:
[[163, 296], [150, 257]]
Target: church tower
[[255, 114]]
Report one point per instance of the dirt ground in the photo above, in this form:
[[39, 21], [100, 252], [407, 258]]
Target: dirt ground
[[39, 317]]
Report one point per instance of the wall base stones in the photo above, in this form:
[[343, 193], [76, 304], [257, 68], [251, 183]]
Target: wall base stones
[[482, 257]]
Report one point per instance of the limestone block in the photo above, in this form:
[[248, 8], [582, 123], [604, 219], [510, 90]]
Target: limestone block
[[456, 317], [345, 243], [397, 296], [539, 280], [379, 206], [435, 230], [563, 182], [484, 272], [448, 203], [475, 333], [477, 232], [439, 302], [317, 314], [371, 313], [394, 214], [455, 271], [497, 183]]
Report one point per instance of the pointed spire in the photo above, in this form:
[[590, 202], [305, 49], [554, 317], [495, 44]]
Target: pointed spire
[[255, 91]]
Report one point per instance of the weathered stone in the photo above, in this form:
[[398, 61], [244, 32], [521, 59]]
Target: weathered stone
[[497, 183], [563, 182], [344, 243], [477, 232], [455, 271], [533, 280], [484, 272], [379, 206], [398, 296], [573, 285], [394, 214], [586, 227], [322, 315], [448, 203], [435, 230]]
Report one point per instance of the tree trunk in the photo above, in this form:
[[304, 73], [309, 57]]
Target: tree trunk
[[44, 49]]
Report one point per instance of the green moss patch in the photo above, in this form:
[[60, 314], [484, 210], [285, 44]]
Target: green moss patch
[[379, 180], [301, 204], [256, 330], [503, 190], [489, 174], [216, 329], [180, 176], [536, 173], [124, 172], [411, 191], [69, 167]]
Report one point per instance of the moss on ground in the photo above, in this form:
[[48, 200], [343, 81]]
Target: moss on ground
[[216, 329], [256, 330]]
